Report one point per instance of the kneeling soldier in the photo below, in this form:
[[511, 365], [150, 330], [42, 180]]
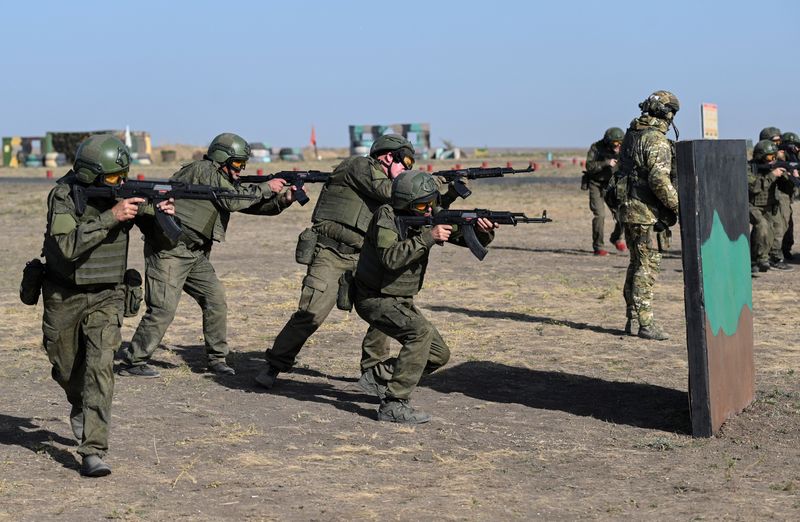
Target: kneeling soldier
[[390, 272]]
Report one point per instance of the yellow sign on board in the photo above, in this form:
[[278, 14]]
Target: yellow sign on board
[[709, 121]]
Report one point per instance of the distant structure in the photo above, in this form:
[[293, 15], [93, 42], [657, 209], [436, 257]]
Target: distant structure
[[362, 137], [56, 149]]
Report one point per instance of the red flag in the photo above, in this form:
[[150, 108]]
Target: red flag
[[313, 137]]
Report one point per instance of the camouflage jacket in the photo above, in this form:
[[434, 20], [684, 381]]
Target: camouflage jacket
[[597, 170], [204, 221], [646, 159]]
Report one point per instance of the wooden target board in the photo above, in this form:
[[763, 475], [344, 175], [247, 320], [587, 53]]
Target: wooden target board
[[718, 292]]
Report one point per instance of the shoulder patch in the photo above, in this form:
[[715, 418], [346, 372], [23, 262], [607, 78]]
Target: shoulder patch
[[386, 237], [62, 224]]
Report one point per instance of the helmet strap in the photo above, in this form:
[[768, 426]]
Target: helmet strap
[[677, 134]]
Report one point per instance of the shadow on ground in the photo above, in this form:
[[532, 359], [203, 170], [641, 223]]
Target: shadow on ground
[[633, 404], [248, 364], [515, 316], [19, 431]]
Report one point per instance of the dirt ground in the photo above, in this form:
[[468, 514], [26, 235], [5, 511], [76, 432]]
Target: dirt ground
[[545, 411]]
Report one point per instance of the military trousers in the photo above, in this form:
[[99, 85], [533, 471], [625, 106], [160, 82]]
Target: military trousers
[[761, 233], [317, 299], [81, 334], [780, 224], [422, 348], [168, 273], [643, 267], [597, 205]]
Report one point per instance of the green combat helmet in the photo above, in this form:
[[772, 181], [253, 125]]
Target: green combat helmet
[[228, 147], [101, 155], [613, 134], [414, 190], [661, 104], [790, 138], [390, 143], [764, 148], [769, 133]]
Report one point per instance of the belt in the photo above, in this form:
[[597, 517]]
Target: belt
[[336, 245]]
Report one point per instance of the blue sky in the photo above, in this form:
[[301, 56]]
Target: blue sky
[[496, 73]]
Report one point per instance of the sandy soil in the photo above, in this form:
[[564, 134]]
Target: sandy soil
[[546, 410]]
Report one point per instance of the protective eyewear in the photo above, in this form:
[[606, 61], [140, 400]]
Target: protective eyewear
[[422, 206], [238, 165], [401, 156], [616, 143], [769, 157], [116, 178]]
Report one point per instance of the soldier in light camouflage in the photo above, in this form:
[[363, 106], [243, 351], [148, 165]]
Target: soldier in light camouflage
[[649, 204]]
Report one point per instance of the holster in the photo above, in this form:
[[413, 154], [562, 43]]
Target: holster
[[306, 243], [133, 292], [344, 297], [30, 288]]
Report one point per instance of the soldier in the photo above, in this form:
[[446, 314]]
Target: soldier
[[185, 266], [601, 164], [648, 204], [390, 272], [357, 187], [86, 248], [783, 195], [790, 145], [764, 185]]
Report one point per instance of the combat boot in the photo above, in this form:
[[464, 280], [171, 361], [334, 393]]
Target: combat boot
[[76, 422], [763, 266], [220, 368], [266, 377], [601, 252], [778, 264], [399, 410], [652, 332], [93, 466], [621, 246], [629, 324], [372, 384], [140, 370]]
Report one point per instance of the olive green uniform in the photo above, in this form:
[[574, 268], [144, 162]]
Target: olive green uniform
[[646, 161], [83, 306], [185, 266], [765, 214], [390, 272], [598, 174], [345, 206]]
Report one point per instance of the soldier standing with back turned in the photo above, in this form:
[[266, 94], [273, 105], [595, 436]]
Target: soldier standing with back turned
[[648, 204], [601, 164]]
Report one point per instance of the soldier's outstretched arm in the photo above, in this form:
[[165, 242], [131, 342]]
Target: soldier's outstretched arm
[[74, 239]]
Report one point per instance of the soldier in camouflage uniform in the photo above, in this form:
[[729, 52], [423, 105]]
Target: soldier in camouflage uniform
[[790, 145], [86, 252], [648, 203], [765, 183], [185, 266], [390, 272], [357, 187], [601, 164], [783, 195]]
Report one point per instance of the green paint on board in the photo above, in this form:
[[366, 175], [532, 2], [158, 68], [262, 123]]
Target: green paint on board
[[727, 282]]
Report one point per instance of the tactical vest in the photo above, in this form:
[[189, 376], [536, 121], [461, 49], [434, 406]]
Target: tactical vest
[[638, 186], [104, 264], [339, 202], [204, 217], [405, 282], [765, 197]]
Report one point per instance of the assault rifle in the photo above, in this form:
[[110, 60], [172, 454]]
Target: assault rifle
[[789, 166], [294, 178], [458, 176], [155, 192], [467, 219]]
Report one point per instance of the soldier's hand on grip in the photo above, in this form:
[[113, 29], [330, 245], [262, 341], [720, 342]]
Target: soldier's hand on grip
[[126, 209], [441, 233]]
